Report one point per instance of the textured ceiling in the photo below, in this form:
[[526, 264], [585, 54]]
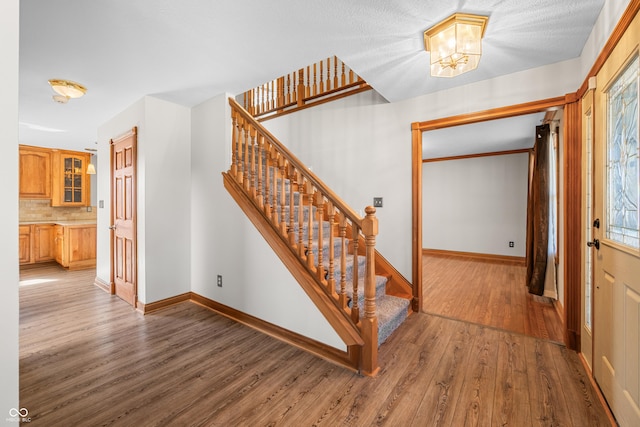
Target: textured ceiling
[[190, 50]]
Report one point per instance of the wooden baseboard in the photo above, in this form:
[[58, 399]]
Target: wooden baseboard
[[167, 302], [476, 256], [103, 285], [309, 345], [82, 265], [596, 388], [140, 307], [347, 359]]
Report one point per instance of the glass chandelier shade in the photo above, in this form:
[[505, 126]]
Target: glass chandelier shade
[[455, 44]]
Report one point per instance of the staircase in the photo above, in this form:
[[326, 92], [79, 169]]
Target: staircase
[[328, 248]]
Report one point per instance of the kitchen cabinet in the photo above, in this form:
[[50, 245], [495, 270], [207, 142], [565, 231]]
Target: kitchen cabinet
[[58, 240], [36, 242], [72, 245], [43, 244], [35, 172], [75, 245], [70, 182], [24, 232]]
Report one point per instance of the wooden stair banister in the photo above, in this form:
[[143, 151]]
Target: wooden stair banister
[[323, 81], [265, 178]]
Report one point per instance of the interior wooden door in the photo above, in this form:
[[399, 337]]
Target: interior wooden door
[[617, 252], [123, 214]]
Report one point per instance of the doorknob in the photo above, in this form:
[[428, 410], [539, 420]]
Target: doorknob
[[595, 243], [112, 227]]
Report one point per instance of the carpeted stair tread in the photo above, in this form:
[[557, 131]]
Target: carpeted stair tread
[[381, 287], [337, 248], [391, 311], [362, 261]]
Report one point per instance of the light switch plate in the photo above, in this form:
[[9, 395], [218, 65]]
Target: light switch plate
[[377, 202]]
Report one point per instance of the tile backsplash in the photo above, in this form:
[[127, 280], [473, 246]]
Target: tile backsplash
[[41, 210]]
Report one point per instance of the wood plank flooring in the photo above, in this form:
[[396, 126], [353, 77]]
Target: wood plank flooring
[[88, 359], [487, 293]]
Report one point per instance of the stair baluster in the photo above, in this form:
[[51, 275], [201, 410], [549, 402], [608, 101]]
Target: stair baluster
[[355, 310], [342, 222], [282, 163], [267, 180], [234, 144], [260, 196], [245, 157], [302, 189], [331, 282], [252, 160], [320, 238], [335, 72], [321, 84], [310, 262], [293, 187]]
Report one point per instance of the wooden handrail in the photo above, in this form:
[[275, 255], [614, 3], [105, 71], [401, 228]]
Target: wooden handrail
[[325, 80], [315, 181], [292, 199]]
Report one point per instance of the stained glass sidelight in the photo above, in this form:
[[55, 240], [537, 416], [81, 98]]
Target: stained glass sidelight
[[623, 174]]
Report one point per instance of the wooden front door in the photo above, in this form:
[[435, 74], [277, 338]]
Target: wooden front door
[[123, 214], [616, 334]]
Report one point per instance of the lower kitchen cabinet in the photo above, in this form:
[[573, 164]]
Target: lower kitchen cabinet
[[24, 232], [36, 243], [42, 237], [75, 245], [71, 246]]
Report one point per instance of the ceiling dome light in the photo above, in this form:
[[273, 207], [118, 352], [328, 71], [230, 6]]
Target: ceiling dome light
[[67, 88], [455, 44], [60, 99]]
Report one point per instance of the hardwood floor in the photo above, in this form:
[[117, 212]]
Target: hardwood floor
[[87, 358], [487, 293]]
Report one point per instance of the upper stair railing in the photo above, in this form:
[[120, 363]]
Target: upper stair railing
[[297, 204], [321, 82]]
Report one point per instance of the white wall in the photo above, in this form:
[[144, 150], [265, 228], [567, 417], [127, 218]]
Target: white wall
[[9, 32], [476, 204], [361, 145], [166, 155], [164, 179], [224, 242], [609, 16]]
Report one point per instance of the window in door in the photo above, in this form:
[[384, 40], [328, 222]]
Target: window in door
[[623, 174]]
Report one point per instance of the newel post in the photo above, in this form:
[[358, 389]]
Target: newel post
[[369, 365]]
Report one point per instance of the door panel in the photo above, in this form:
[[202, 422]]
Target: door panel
[[124, 268]]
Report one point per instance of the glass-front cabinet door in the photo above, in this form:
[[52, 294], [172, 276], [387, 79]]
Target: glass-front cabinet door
[[71, 182]]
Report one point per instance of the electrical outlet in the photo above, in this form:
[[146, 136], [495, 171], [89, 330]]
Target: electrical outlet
[[219, 281], [377, 202], [511, 244]]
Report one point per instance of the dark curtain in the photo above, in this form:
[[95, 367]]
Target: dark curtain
[[538, 213]]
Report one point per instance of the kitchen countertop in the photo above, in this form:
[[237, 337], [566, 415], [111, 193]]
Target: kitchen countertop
[[61, 222]]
